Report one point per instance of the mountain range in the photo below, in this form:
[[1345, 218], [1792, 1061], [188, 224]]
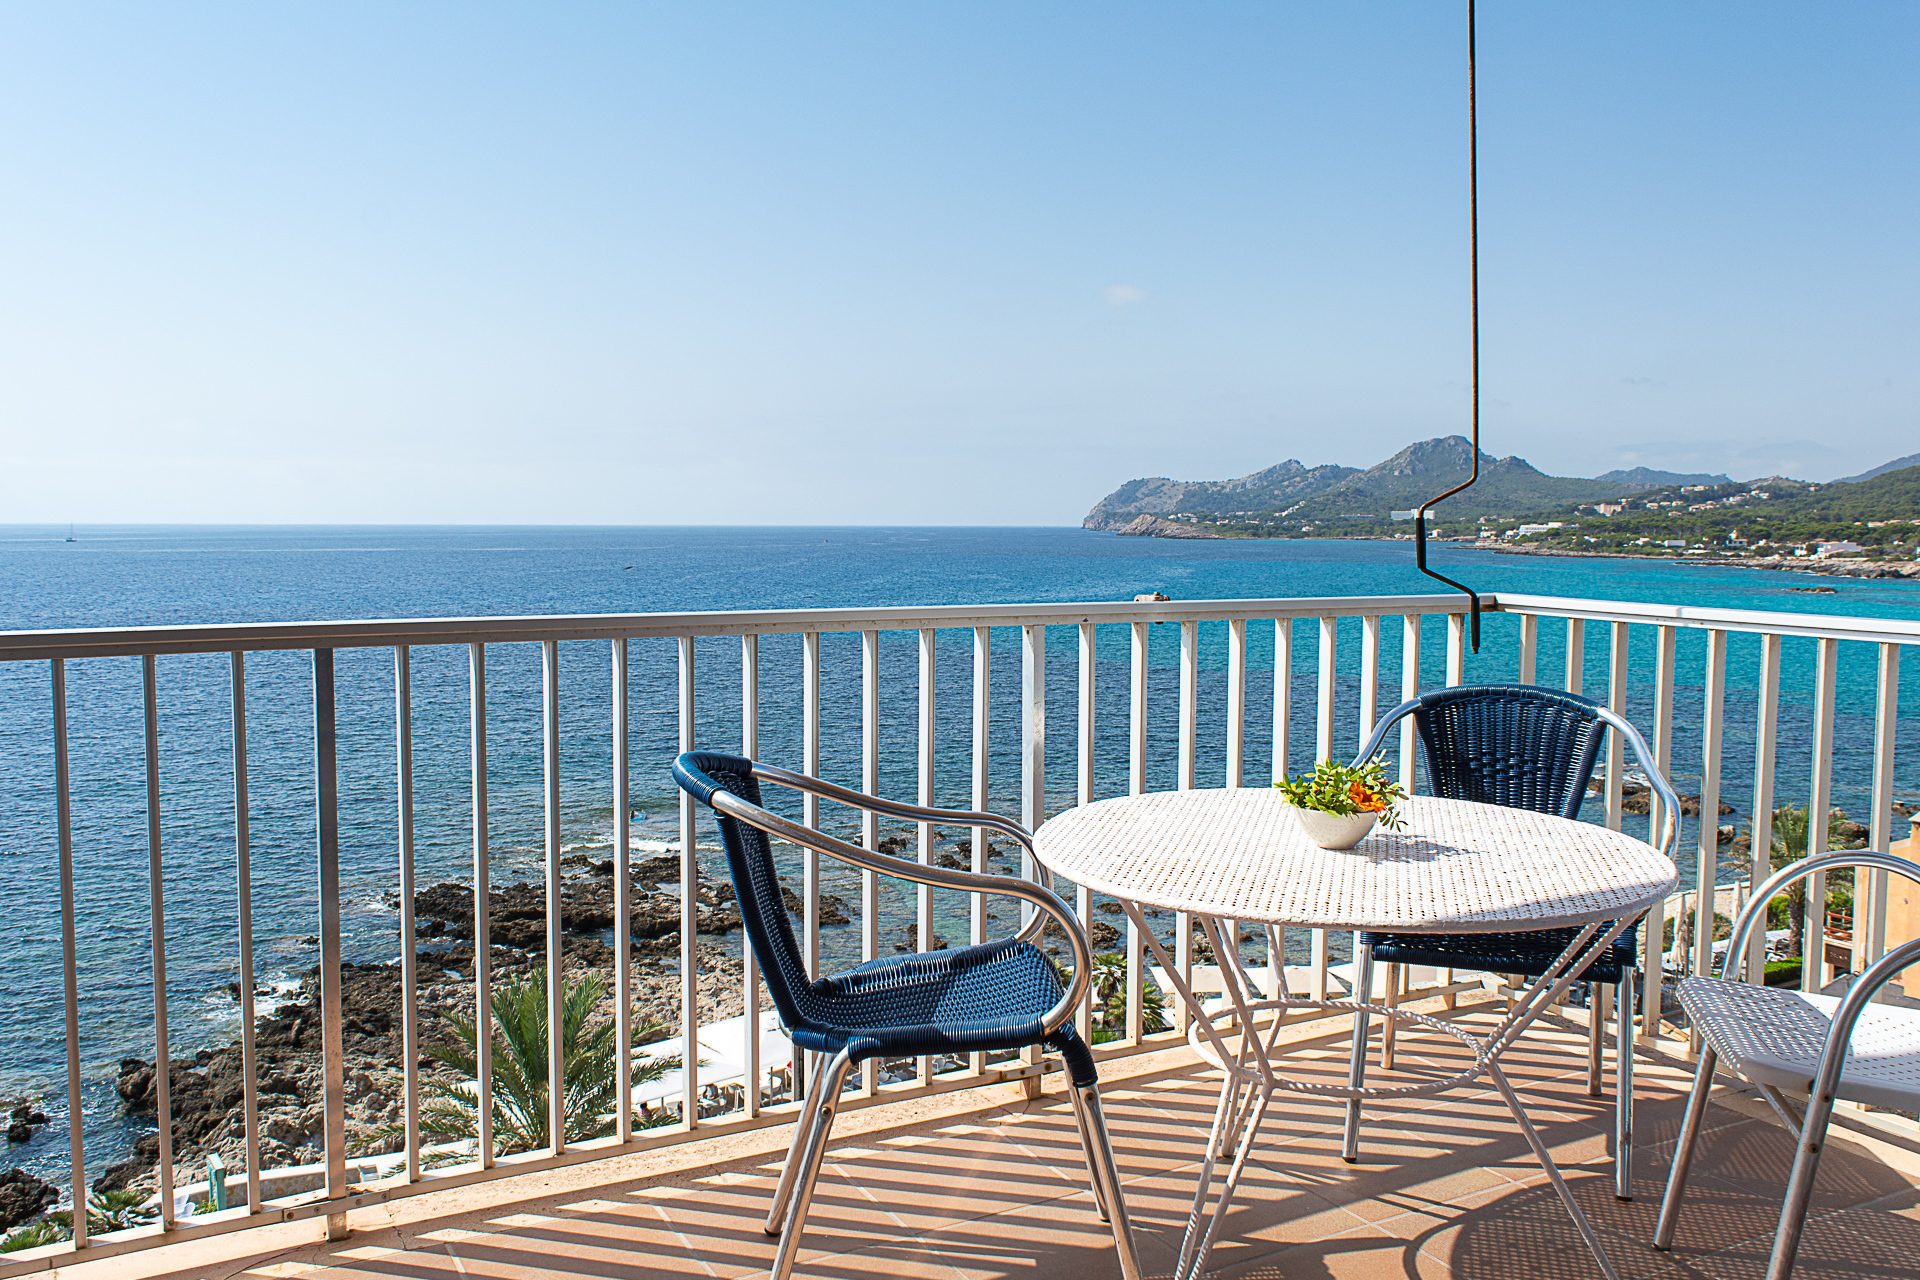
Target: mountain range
[[1302, 494]]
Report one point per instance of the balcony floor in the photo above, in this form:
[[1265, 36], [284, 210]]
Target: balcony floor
[[1446, 1186]]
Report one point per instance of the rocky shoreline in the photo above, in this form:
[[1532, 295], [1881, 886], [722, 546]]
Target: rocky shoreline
[[1795, 564]]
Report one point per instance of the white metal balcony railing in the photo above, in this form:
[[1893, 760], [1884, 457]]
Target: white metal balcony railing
[[1231, 729]]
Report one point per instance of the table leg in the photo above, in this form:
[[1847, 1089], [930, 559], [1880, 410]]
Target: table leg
[[1574, 1211], [1357, 1066]]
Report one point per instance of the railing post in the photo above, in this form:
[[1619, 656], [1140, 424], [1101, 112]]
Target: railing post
[[923, 896], [1617, 666], [1576, 654], [156, 893], [1282, 697], [1137, 785], [1870, 925], [689, 911], [1813, 962], [1529, 644], [482, 900], [1456, 649], [1766, 733], [749, 963], [1324, 702], [409, 961], [623, 923], [1369, 676], [1707, 865], [326, 791], [1409, 689], [870, 821], [982, 702], [1189, 751], [1236, 701], [1083, 794], [1033, 780], [556, 987], [810, 815], [69, 961]]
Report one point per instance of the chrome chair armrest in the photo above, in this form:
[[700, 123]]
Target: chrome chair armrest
[[1044, 899], [1757, 901], [916, 813]]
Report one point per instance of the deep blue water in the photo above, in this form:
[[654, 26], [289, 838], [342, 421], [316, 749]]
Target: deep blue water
[[143, 576]]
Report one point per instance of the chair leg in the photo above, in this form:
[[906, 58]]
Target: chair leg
[[1596, 1026], [1395, 980], [802, 1129], [1357, 1064], [1806, 1163], [1683, 1149], [1106, 1176], [1623, 1095], [833, 1075]]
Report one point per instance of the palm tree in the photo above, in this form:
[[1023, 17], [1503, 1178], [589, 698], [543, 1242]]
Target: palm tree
[[520, 1067], [1110, 999], [1790, 841]]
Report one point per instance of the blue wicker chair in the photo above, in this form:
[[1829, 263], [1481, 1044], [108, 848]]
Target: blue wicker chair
[[1526, 748], [992, 997]]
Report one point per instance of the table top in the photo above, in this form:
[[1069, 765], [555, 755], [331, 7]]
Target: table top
[[1455, 866]]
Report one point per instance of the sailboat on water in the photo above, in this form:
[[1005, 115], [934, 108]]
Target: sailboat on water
[[70, 537]]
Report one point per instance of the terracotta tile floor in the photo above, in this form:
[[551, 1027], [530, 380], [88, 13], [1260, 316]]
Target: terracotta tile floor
[[1446, 1187]]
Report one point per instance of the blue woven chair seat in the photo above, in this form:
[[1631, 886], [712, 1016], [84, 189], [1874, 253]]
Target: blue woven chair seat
[[965, 999], [1531, 954]]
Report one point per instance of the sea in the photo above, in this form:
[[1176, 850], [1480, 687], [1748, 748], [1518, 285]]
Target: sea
[[109, 576]]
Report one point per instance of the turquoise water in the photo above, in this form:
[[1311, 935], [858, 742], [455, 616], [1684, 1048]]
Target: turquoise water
[[144, 576]]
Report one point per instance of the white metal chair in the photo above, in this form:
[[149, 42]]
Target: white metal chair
[[1796, 1045]]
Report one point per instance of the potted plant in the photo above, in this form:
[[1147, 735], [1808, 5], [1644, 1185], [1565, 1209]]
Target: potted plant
[[1338, 804]]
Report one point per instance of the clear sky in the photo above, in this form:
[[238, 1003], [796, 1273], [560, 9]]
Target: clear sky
[[929, 263]]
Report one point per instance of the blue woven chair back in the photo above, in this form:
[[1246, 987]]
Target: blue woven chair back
[[763, 910], [1515, 745]]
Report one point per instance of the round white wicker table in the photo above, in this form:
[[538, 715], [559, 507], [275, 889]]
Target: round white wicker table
[[1453, 867]]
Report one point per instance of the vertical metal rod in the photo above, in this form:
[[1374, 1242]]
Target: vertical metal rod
[[1189, 752], [870, 821], [1813, 948], [1652, 971], [1282, 696], [1323, 750], [923, 898], [409, 961], [1456, 649], [1324, 706], [1707, 865], [1576, 654], [1870, 935], [156, 890], [977, 858], [243, 877], [482, 900], [556, 974], [809, 803], [326, 792], [623, 921], [1189, 703], [689, 912], [1766, 733], [1136, 785], [1529, 646], [1033, 779], [1236, 701], [70, 962], [1369, 674], [1617, 666], [1083, 902], [1409, 689]]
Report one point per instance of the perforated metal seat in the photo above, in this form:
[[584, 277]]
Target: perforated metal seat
[[1822, 1048]]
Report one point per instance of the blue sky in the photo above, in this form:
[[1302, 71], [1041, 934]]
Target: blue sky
[[928, 264]]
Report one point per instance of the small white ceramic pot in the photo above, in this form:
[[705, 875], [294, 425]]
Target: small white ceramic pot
[[1334, 830]]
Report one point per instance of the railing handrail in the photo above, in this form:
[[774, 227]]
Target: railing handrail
[[1821, 626], [106, 642], [250, 637]]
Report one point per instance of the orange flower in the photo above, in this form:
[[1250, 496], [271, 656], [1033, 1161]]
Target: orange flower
[[1363, 799]]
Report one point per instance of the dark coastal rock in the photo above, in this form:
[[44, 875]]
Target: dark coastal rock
[[118, 1177], [519, 913], [24, 1197], [1636, 798], [1102, 935], [833, 908]]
